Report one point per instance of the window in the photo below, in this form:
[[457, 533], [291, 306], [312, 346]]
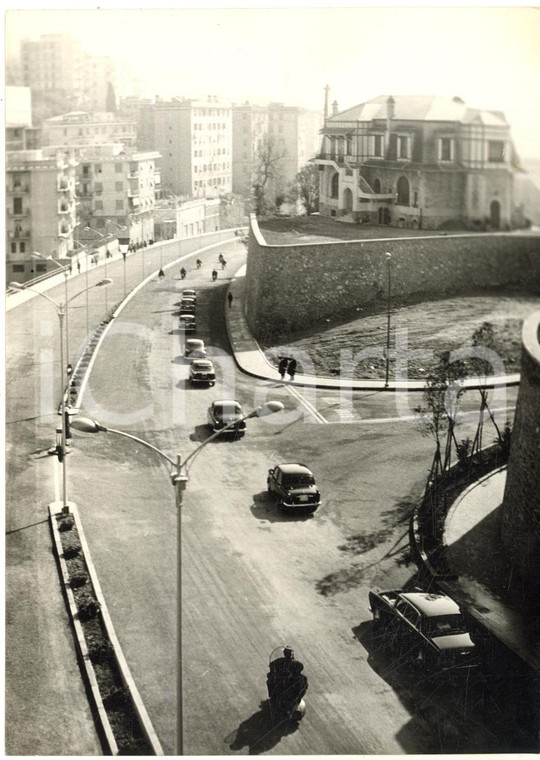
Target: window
[[13, 247], [99, 205], [119, 186], [377, 186], [119, 168], [22, 247], [378, 145], [119, 205], [17, 206], [98, 187], [446, 149], [17, 268], [496, 151], [334, 189], [402, 146]]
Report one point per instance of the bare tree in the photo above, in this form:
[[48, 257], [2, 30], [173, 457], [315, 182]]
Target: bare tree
[[269, 159], [307, 187]]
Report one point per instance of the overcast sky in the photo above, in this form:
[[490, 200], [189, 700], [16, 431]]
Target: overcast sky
[[489, 56]]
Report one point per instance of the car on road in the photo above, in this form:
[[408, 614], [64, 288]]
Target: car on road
[[188, 305], [202, 371], [194, 348], [187, 322], [293, 486], [224, 413], [428, 628], [189, 293]]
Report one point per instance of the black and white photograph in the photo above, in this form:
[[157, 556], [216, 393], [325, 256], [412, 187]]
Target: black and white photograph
[[271, 380]]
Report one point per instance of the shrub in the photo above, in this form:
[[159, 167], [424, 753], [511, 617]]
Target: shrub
[[88, 610], [116, 698], [101, 652], [463, 451], [66, 523], [72, 551], [78, 579]]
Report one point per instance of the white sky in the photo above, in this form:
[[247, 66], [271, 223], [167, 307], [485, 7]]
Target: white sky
[[489, 56]]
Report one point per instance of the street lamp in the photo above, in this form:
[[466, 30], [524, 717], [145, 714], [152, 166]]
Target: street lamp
[[61, 310], [36, 255], [389, 272], [179, 474]]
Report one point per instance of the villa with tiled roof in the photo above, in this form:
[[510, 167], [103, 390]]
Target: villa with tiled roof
[[416, 161]]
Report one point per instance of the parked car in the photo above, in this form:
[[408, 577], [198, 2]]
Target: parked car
[[429, 629], [187, 322], [294, 487], [189, 293], [194, 349], [223, 413], [202, 371], [188, 305]]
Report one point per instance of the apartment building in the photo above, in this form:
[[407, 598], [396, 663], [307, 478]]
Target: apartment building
[[83, 128], [249, 126], [52, 63], [20, 134], [118, 184], [420, 162], [194, 138], [40, 210], [98, 74]]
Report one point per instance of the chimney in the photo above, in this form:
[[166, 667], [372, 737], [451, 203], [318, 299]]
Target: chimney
[[390, 108], [326, 91], [334, 108]]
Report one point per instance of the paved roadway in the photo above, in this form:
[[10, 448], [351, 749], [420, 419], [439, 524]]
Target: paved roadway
[[251, 578]]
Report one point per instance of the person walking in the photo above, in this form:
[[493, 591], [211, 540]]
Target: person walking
[[282, 367], [291, 369], [79, 267], [161, 274], [230, 299], [223, 263]]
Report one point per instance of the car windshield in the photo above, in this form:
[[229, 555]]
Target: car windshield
[[299, 479], [201, 365], [444, 624], [230, 408]]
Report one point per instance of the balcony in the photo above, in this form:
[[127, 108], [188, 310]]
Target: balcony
[[133, 175], [63, 185], [22, 212], [19, 234], [17, 189], [64, 208]]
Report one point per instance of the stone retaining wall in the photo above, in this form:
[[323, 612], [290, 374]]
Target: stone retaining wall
[[521, 506], [293, 287]]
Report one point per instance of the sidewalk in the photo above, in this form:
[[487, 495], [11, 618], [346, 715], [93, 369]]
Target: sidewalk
[[251, 360], [474, 553]]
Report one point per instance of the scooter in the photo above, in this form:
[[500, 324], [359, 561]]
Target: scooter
[[286, 686], [214, 275]]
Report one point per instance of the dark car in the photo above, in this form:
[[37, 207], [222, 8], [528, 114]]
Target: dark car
[[202, 371], [188, 305], [428, 628], [223, 413], [294, 487], [187, 322]]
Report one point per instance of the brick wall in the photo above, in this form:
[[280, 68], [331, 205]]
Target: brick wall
[[292, 287], [520, 525]]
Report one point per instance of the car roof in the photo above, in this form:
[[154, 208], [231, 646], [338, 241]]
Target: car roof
[[294, 468], [226, 402], [187, 299], [431, 605], [194, 342], [201, 363], [187, 316], [188, 290]]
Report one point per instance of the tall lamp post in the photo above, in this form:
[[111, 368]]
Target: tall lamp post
[[179, 479], [65, 269], [61, 310], [388, 312]]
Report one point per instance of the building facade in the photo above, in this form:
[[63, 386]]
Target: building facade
[[40, 210], [294, 133], [83, 128], [118, 184], [194, 138], [418, 162]]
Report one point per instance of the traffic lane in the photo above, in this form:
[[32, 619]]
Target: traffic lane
[[364, 406], [270, 579]]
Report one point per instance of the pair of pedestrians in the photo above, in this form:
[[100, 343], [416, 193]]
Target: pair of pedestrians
[[287, 365]]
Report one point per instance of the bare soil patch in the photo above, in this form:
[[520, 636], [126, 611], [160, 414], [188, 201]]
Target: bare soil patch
[[421, 333]]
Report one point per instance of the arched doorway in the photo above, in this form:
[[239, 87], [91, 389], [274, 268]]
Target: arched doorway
[[403, 191], [495, 214], [348, 199]]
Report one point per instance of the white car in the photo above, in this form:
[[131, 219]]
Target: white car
[[189, 293], [194, 349]]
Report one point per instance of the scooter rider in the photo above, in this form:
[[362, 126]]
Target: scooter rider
[[199, 263], [214, 274], [182, 273], [286, 685]]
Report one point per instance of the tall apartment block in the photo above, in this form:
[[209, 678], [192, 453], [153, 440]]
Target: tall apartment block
[[20, 134], [194, 138], [294, 131], [82, 128], [40, 210], [117, 183]]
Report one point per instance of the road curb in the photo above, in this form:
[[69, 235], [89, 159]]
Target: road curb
[[127, 678]]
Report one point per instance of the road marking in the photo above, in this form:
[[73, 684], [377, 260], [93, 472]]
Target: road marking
[[307, 404]]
